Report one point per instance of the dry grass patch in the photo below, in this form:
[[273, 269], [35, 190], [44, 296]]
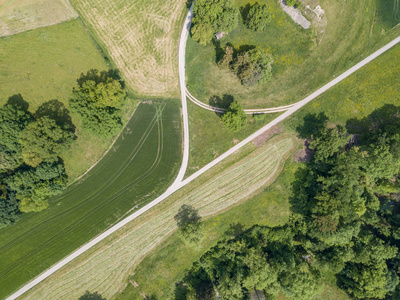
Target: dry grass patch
[[22, 15], [106, 266], [142, 39]]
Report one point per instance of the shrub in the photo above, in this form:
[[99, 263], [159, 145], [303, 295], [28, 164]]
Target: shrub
[[235, 117], [258, 17]]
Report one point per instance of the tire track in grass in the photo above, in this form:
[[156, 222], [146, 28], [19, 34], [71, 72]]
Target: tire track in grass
[[90, 196], [115, 257], [121, 192]]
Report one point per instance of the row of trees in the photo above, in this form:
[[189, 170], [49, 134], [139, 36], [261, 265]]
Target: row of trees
[[344, 221], [32, 144], [215, 16], [251, 67]]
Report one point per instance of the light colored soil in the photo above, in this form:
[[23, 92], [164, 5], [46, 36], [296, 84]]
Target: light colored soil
[[296, 15], [21, 15], [105, 268], [262, 138], [142, 39]]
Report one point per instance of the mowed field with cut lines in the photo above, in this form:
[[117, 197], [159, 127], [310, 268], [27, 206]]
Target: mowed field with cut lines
[[141, 165], [141, 37], [22, 15], [231, 182]]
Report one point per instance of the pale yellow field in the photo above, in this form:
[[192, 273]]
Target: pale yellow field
[[141, 37], [106, 267], [22, 15]]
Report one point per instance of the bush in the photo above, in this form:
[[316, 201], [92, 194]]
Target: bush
[[235, 118], [258, 17], [189, 225], [98, 99], [294, 3], [211, 17]]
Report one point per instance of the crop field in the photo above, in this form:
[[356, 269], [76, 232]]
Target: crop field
[[141, 164], [141, 37], [303, 59], [227, 184], [21, 15]]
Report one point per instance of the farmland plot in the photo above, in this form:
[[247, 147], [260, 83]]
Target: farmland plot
[[141, 37], [105, 267], [141, 164], [22, 15]]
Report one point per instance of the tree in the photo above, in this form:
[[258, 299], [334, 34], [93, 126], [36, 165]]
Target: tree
[[91, 296], [202, 33], [44, 140], [235, 117], [98, 99], [253, 66], [227, 59], [34, 185], [291, 2], [189, 225], [258, 17], [13, 119], [213, 16], [9, 212]]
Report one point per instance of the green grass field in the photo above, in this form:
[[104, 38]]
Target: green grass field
[[304, 59], [162, 268], [43, 65], [142, 163], [368, 89], [212, 193], [209, 138]]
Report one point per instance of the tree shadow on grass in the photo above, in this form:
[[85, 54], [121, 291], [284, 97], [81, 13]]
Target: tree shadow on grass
[[388, 114], [244, 11], [312, 124], [56, 110], [99, 77], [224, 102], [18, 100], [219, 52], [180, 291]]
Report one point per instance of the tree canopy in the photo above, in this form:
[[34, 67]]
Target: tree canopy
[[235, 117], [43, 140], [259, 17], [98, 99], [213, 16], [189, 225]]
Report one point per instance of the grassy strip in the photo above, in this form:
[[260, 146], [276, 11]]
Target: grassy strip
[[141, 164], [209, 138], [213, 192], [304, 59]]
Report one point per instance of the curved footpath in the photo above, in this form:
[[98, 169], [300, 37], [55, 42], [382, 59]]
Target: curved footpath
[[178, 183]]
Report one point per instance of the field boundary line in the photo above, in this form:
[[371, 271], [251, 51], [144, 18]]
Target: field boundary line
[[178, 183]]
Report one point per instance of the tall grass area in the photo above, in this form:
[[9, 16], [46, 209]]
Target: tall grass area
[[368, 89], [304, 59], [140, 166]]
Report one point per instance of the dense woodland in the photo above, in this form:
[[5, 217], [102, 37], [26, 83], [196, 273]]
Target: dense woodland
[[344, 222], [32, 143]]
